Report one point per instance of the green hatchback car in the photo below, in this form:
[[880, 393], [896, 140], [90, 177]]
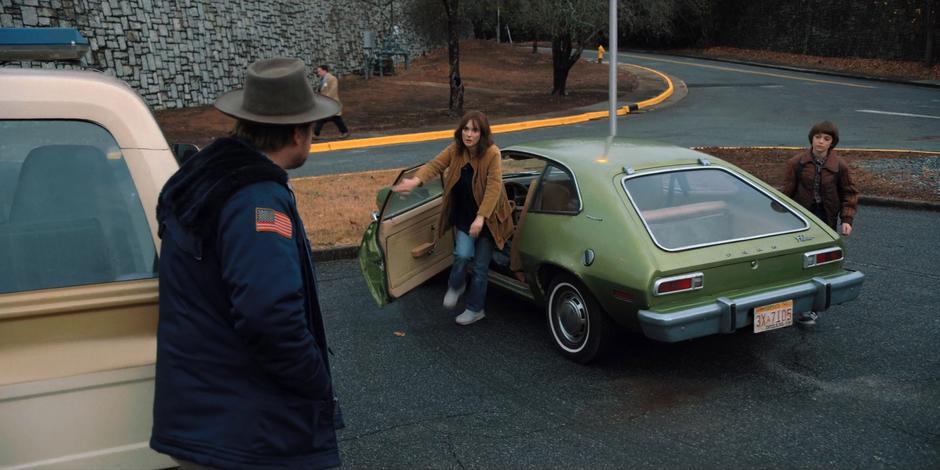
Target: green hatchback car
[[610, 233]]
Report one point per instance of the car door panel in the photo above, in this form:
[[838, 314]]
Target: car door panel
[[403, 234], [398, 250]]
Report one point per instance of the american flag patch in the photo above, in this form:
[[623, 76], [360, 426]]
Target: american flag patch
[[270, 220]]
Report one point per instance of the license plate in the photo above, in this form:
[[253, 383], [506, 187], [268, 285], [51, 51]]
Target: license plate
[[773, 316]]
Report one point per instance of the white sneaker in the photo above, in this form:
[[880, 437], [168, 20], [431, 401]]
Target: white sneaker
[[452, 296], [469, 316]]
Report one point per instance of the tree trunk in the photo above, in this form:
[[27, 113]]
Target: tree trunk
[[455, 103], [563, 58], [929, 26], [535, 46]]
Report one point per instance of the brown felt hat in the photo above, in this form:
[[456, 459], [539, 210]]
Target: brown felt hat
[[277, 92]]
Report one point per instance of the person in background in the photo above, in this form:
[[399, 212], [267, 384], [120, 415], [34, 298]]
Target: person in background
[[820, 180], [242, 377], [329, 87], [475, 205]]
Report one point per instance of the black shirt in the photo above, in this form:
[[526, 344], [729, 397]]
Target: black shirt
[[464, 207]]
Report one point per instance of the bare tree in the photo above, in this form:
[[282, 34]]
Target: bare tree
[[524, 15], [451, 12], [572, 25], [930, 15], [575, 25]]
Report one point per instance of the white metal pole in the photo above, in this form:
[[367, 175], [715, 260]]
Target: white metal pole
[[612, 72]]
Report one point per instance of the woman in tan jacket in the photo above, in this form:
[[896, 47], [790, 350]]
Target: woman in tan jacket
[[475, 205]]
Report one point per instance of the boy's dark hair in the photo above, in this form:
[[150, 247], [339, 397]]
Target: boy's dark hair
[[267, 137], [825, 127], [326, 68], [486, 136]]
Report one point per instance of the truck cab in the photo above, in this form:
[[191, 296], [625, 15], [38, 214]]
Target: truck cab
[[82, 162]]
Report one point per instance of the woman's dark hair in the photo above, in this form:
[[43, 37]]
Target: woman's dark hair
[[486, 136], [267, 137], [825, 127]]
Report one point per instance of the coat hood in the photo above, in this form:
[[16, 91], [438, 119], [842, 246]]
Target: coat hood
[[194, 195]]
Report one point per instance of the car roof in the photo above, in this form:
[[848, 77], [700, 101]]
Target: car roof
[[613, 155], [80, 95]]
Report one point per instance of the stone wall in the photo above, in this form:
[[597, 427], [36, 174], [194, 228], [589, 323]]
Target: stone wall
[[179, 53]]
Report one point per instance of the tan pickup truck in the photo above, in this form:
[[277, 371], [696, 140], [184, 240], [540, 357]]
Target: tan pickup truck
[[82, 161]]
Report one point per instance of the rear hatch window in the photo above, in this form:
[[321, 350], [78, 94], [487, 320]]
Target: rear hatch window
[[694, 207]]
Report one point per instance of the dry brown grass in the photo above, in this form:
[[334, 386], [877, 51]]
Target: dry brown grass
[[336, 209]]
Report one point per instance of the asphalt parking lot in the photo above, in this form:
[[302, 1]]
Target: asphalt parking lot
[[860, 390]]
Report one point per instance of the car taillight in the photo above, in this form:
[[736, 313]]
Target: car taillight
[[820, 257], [675, 284]]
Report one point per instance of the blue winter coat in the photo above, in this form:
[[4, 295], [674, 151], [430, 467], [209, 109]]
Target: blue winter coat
[[242, 375]]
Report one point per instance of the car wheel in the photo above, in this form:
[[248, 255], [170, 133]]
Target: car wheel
[[580, 328]]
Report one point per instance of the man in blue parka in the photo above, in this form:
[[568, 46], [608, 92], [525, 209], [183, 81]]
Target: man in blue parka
[[242, 377]]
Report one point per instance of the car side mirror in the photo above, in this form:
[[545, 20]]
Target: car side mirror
[[182, 152]]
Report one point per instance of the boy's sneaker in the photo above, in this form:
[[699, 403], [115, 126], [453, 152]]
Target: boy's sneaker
[[344, 135], [469, 316], [807, 318], [452, 296]]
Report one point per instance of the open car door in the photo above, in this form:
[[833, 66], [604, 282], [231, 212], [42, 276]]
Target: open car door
[[398, 252]]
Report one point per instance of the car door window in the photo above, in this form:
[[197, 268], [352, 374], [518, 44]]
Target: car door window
[[557, 192], [69, 211], [398, 204]]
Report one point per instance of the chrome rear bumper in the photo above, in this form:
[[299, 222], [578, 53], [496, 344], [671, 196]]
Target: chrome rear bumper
[[728, 314]]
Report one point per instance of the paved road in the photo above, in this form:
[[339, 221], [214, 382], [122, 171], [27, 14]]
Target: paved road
[[726, 105], [862, 389]]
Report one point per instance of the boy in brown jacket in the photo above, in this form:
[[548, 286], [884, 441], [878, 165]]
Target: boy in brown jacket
[[820, 180]]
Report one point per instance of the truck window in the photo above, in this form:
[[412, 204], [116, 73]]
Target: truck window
[[69, 211]]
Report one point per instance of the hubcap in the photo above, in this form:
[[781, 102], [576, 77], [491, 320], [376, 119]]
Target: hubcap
[[572, 318]]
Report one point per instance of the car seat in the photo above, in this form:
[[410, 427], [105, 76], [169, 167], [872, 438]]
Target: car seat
[[68, 221]]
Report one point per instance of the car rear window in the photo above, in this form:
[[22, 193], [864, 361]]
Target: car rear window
[[69, 211], [695, 207]]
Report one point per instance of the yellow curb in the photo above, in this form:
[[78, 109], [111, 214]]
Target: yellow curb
[[662, 96], [498, 128]]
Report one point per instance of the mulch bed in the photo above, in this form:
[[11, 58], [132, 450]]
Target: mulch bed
[[893, 69], [900, 175]]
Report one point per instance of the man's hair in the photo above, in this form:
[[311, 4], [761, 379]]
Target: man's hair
[[486, 137], [825, 127], [267, 137], [326, 68]]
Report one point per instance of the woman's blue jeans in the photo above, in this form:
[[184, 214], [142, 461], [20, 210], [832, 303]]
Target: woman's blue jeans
[[475, 252]]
